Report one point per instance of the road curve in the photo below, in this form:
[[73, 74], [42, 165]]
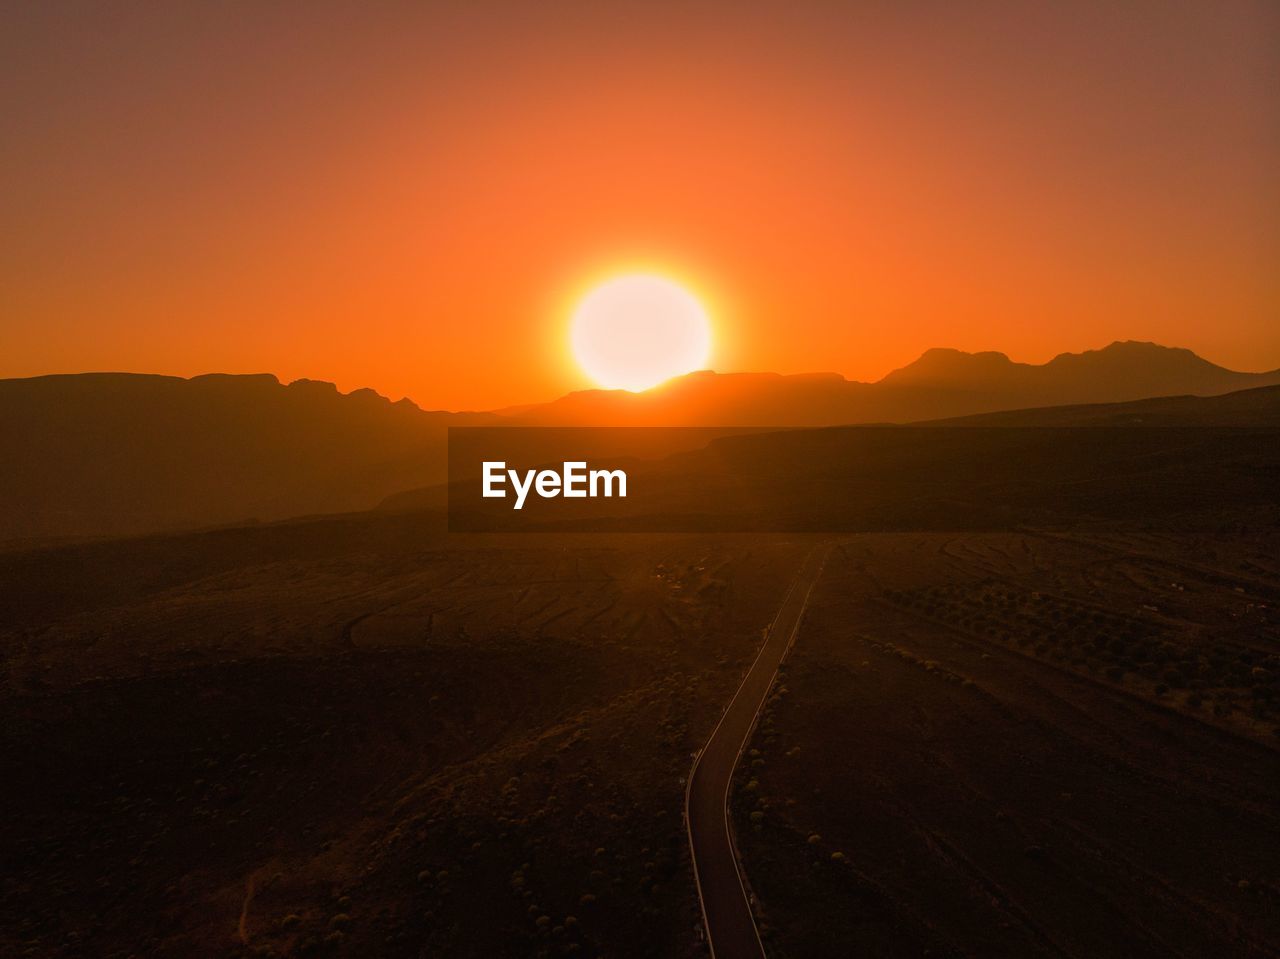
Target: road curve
[[726, 913]]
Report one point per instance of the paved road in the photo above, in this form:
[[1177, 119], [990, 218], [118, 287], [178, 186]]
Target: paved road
[[726, 914]]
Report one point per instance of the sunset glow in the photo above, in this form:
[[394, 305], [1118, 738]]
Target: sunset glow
[[189, 192]]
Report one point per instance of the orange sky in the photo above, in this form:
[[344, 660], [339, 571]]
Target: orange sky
[[410, 199]]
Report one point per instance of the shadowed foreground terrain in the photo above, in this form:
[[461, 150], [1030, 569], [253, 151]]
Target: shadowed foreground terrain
[[353, 738], [1035, 713], [1025, 745]]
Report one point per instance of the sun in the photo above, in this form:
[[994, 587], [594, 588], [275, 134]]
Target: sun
[[635, 331]]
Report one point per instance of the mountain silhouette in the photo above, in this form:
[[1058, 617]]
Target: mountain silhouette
[[105, 454], [115, 453], [1140, 369], [941, 383]]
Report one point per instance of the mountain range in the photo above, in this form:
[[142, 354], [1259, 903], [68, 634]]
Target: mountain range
[[104, 454], [941, 383]]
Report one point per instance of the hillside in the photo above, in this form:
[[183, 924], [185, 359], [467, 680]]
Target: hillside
[[1256, 407], [118, 454]]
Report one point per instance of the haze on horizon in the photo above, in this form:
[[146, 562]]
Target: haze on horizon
[[411, 197]]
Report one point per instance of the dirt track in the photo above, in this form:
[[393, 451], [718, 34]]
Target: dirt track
[[726, 909]]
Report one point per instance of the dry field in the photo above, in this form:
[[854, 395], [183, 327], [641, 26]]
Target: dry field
[[359, 737], [1025, 744]]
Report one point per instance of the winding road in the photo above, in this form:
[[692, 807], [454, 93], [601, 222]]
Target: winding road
[[726, 910]]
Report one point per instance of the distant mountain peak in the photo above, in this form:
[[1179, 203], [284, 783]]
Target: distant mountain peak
[[945, 353], [947, 364], [315, 386], [1145, 361], [1136, 351]]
